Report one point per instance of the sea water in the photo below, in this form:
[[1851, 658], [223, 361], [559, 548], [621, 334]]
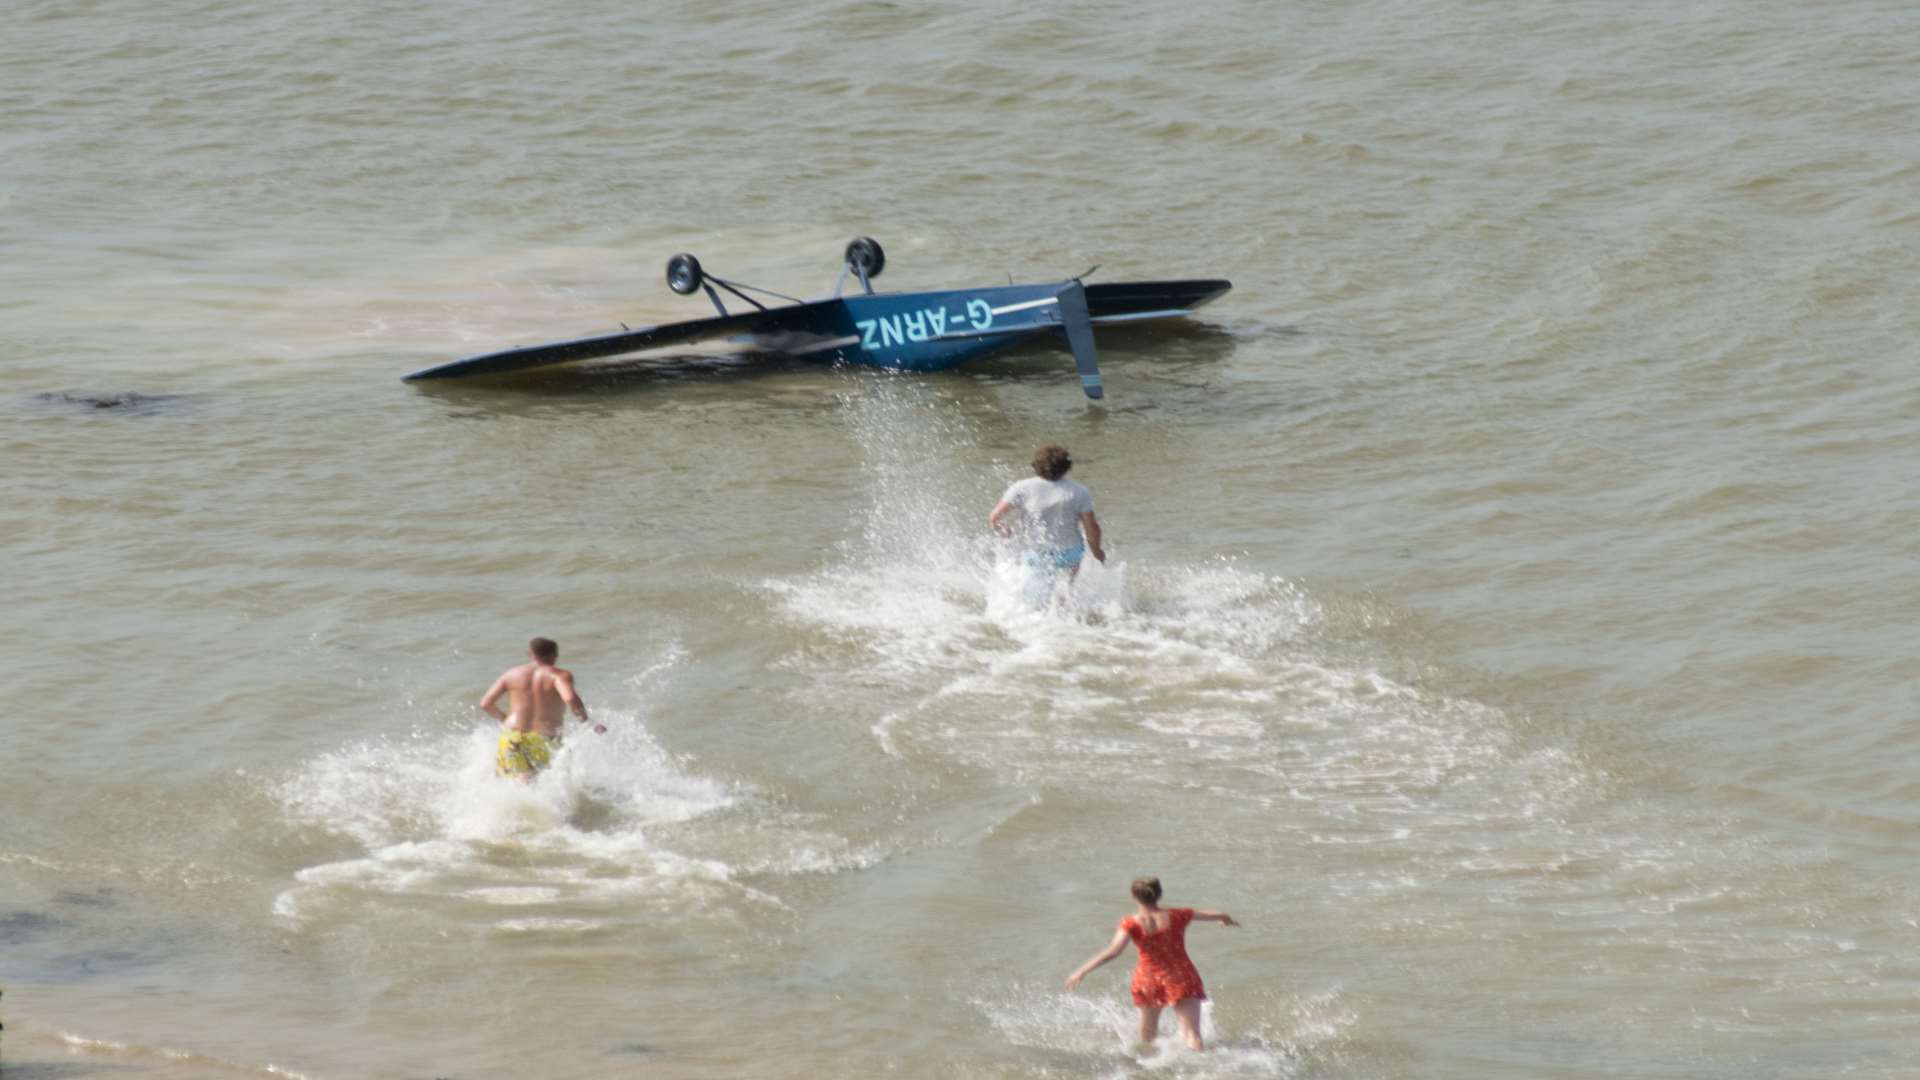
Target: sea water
[[1508, 611]]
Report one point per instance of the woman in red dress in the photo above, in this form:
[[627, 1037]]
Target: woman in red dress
[[1164, 975]]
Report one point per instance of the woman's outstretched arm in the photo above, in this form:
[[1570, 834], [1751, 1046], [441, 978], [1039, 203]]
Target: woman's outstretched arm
[[1114, 948], [1214, 916]]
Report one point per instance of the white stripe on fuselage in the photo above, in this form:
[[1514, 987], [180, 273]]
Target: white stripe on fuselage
[[830, 343], [1168, 313], [826, 344], [1025, 306]]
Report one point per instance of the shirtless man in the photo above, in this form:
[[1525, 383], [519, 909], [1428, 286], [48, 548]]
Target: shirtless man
[[537, 692]]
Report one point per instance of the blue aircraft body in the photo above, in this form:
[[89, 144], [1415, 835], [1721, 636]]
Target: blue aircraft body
[[914, 331]]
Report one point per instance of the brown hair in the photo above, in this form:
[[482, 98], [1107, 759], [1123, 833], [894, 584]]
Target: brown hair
[[1146, 890], [544, 650], [1051, 461]]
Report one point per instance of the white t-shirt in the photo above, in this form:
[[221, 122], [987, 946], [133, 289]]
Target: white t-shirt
[[1051, 509]]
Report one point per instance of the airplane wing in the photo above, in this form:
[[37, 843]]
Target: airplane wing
[[646, 337]]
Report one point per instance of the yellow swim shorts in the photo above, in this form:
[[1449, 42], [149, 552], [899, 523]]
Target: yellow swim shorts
[[521, 753]]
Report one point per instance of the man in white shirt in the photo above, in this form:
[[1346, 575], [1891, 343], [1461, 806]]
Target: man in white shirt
[[1054, 512]]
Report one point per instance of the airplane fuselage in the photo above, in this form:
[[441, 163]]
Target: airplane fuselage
[[932, 331], [907, 331], [924, 331]]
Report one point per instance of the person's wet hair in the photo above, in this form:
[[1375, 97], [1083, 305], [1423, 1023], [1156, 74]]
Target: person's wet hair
[[544, 650], [1146, 890], [1051, 461]]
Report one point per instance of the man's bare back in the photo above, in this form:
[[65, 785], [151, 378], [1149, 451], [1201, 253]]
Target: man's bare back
[[540, 693]]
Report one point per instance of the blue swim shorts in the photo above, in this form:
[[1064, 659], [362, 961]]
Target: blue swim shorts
[[1055, 558]]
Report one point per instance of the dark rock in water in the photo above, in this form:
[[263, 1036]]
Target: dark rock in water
[[20, 926], [128, 401]]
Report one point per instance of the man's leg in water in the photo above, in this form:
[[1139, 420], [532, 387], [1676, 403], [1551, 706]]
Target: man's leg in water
[[1149, 1022], [1187, 1011]]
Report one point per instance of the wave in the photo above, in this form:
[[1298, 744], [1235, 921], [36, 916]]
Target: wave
[[425, 820]]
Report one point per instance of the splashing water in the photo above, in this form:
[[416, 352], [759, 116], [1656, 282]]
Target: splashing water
[[1101, 1033], [430, 819], [1206, 672], [1197, 681]]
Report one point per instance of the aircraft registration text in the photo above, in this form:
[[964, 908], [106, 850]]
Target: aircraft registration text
[[923, 325]]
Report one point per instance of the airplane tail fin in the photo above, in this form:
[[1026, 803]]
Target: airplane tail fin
[[1078, 324]]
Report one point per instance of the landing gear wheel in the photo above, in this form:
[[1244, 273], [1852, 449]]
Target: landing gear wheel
[[683, 274], [864, 254]]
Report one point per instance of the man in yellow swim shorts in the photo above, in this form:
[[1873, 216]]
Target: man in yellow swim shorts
[[540, 694]]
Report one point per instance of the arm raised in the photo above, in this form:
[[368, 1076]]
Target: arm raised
[[1213, 916], [1114, 948]]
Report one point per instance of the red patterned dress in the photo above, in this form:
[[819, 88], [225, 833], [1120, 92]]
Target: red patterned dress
[[1164, 974]]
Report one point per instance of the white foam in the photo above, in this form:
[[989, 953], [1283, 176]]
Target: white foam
[[431, 820], [513, 895], [816, 855], [205, 1064], [1193, 676], [549, 926], [1103, 1026]]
